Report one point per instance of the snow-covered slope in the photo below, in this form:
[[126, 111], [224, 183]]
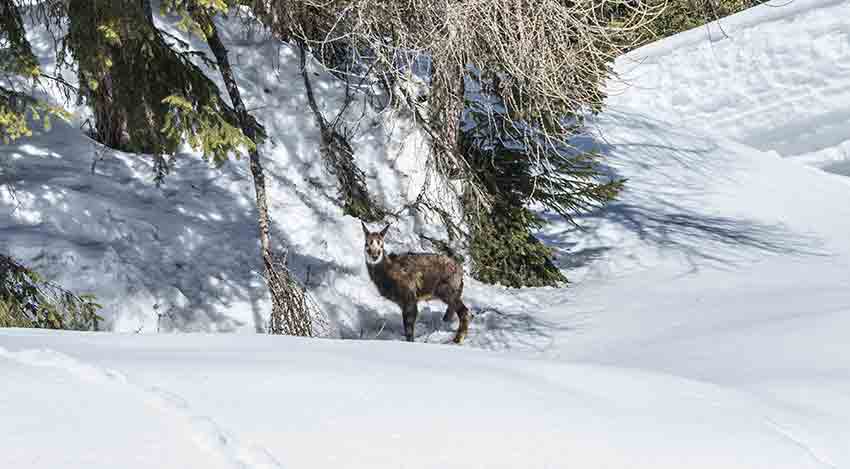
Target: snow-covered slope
[[706, 325], [773, 77]]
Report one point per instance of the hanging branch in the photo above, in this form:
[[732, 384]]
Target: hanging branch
[[338, 157]]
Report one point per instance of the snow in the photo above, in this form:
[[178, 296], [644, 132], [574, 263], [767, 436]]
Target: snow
[[773, 78], [705, 325], [386, 404]]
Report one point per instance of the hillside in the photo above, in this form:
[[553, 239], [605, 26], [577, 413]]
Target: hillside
[[705, 326]]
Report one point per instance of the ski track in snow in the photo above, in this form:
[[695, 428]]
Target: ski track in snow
[[788, 435], [206, 433]]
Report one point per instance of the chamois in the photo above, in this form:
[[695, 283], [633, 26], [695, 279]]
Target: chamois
[[406, 279]]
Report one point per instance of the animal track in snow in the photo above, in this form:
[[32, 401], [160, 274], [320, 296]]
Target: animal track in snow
[[205, 432]]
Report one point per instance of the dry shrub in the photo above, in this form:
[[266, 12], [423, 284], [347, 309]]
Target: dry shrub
[[544, 60]]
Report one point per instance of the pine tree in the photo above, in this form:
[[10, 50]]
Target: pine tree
[[114, 43], [521, 168]]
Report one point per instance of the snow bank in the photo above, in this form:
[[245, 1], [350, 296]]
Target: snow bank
[[772, 77]]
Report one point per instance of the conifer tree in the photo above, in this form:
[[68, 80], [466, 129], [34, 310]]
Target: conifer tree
[[114, 43]]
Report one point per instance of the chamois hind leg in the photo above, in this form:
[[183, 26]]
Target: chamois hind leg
[[446, 294], [463, 327], [451, 293], [449, 314], [408, 315]]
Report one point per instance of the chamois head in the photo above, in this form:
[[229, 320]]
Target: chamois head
[[374, 246]]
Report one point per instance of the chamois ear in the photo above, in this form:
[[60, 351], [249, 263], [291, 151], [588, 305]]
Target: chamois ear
[[365, 230], [384, 231]]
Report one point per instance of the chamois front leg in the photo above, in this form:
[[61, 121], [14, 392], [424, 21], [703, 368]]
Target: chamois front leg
[[409, 312]]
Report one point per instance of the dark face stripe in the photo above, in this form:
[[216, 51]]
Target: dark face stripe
[[374, 246]]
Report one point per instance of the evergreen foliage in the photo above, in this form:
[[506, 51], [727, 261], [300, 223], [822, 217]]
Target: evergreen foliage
[[520, 168], [204, 128], [16, 55], [28, 300], [523, 166], [504, 251], [681, 15], [13, 121], [17, 59], [114, 43], [17, 110]]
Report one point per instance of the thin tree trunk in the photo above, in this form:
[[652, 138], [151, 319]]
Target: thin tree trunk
[[249, 130], [289, 307], [146, 7]]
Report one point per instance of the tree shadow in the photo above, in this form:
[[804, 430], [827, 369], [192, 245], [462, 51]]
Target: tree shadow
[[489, 329], [523, 331], [841, 168], [160, 256], [662, 203]]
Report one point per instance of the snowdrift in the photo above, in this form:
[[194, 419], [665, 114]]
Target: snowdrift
[[773, 78]]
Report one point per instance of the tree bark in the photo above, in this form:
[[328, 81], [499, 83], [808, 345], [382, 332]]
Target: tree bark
[[249, 130], [148, 10]]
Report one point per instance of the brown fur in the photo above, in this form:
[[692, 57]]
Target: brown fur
[[407, 279]]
